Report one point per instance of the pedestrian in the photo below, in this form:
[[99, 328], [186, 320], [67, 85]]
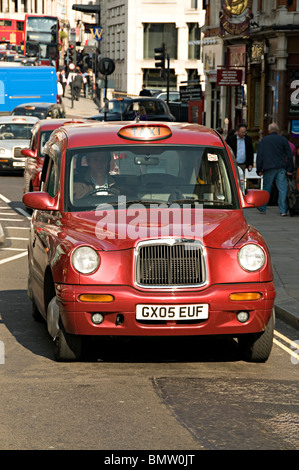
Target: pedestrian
[[241, 145], [145, 92], [275, 161], [70, 77], [62, 79], [90, 82], [59, 91], [77, 84], [85, 83], [142, 113]]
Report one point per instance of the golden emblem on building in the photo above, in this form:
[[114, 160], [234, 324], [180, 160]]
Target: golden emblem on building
[[235, 7]]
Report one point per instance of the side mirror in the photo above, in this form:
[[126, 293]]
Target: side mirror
[[28, 153], [255, 198], [41, 201]]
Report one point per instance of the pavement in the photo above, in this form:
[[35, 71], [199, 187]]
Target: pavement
[[280, 233], [84, 108], [282, 237]]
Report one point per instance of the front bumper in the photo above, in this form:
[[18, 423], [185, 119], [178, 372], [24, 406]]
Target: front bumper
[[10, 164], [76, 315]]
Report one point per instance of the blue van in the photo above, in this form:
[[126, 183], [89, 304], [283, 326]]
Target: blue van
[[20, 85]]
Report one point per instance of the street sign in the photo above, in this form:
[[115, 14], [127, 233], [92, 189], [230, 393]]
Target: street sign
[[229, 77], [106, 66], [191, 92], [97, 33]]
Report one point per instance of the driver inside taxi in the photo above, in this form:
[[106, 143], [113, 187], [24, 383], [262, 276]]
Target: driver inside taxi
[[96, 177]]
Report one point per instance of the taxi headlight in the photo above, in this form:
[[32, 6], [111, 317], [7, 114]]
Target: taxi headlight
[[2, 150], [251, 257], [85, 260]]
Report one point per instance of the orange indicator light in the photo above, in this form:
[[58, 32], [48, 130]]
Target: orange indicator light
[[96, 298], [246, 296]]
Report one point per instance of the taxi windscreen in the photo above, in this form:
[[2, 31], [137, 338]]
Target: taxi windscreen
[[15, 131], [154, 174]]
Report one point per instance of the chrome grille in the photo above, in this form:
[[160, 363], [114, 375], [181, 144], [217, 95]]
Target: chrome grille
[[17, 153], [170, 263]]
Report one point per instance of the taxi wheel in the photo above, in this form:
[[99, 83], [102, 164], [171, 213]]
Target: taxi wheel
[[67, 347], [257, 347]]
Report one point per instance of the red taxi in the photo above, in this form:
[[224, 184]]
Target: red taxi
[[138, 230], [35, 157]]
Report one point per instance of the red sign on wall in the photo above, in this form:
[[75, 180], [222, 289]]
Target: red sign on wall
[[229, 77]]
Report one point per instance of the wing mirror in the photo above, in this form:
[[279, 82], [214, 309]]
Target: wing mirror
[[41, 201], [255, 198], [28, 153]]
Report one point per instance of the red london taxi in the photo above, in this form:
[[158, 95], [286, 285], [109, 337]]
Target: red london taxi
[[35, 157], [138, 230]]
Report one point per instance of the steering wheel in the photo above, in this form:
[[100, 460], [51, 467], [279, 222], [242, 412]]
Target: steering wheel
[[102, 190], [6, 134]]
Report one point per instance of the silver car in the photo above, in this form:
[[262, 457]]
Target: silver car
[[15, 134]]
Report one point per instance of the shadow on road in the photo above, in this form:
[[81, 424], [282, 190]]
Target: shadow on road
[[15, 314], [15, 311]]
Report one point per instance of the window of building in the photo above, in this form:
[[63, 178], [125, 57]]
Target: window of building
[[194, 41], [152, 79], [155, 34], [193, 75]]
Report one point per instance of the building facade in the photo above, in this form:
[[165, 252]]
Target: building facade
[[133, 29], [256, 47]]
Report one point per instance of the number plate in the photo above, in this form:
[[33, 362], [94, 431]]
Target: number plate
[[172, 312], [22, 164]]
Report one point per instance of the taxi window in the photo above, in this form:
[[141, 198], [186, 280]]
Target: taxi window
[[52, 180], [33, 140], [44, 137], [157, 173]]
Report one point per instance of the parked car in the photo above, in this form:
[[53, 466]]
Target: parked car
[[126, 109], [139, 230], [41, 133], [15, 134], [40, 110], [173, 95], [9, 56]]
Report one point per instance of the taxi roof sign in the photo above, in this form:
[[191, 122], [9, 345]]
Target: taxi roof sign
[[145, 132]]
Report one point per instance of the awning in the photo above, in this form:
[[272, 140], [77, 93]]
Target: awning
[[87, 8]]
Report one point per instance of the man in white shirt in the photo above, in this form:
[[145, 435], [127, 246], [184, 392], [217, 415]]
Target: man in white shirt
[[241, 145]]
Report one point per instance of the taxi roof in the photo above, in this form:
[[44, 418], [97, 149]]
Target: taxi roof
[[20, 119], [48, 124], [108, 133]]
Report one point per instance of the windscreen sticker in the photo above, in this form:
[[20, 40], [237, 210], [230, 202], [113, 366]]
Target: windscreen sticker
[[212, 157]]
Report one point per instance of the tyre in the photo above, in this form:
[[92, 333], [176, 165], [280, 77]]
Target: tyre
[[67, 347], [256, 347]]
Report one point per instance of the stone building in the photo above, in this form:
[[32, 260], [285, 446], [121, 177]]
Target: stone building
[[255, 43], [133, 29]]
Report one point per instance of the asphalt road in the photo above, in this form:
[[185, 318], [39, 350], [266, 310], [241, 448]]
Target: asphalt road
[[151, 395]]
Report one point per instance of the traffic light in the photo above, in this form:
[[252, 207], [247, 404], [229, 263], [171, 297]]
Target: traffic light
[[72, 54], [160, 55]]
